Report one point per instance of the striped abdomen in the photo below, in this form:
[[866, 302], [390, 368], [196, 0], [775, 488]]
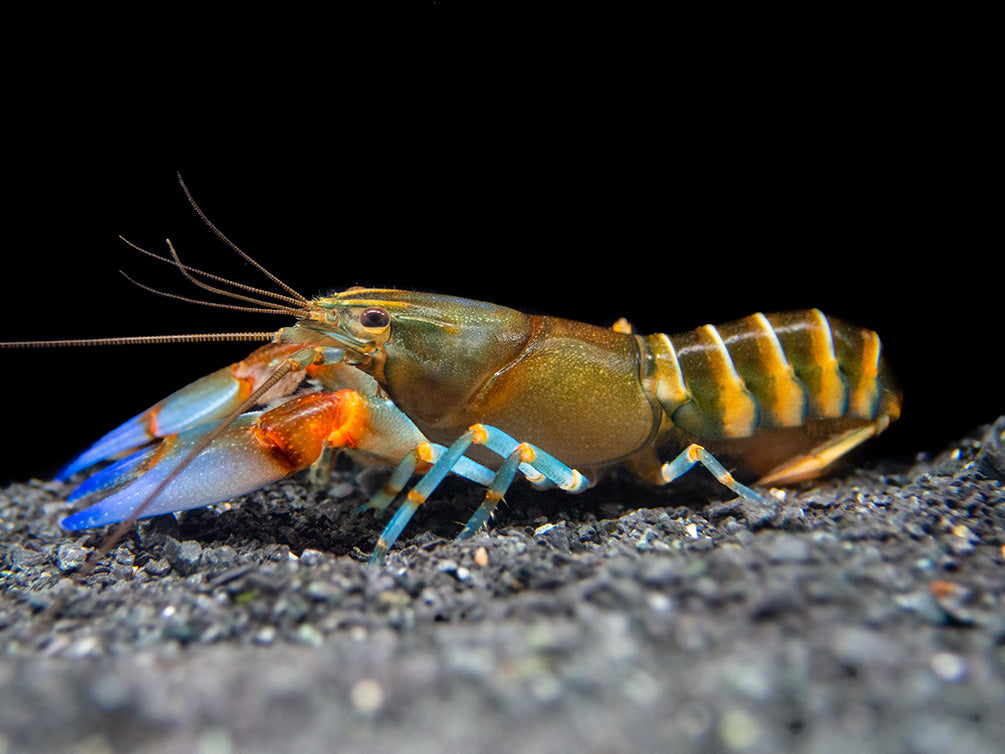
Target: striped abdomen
[[769, 372]]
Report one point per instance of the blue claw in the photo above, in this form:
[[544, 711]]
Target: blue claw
[[130, 435], [228, 467], [118, 474], [205, 400]]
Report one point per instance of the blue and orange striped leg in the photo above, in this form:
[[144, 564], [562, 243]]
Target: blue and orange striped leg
[[693, 454], [540, 468], [426, 453], [537, 465]]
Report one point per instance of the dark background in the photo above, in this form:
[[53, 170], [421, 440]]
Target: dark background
[[675, 181]]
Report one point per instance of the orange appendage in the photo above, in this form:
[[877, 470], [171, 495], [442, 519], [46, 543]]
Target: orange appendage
[[259, 366], [296, 432], [353, 417]]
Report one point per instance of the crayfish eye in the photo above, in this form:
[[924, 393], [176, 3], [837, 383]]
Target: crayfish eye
[[374, 317]]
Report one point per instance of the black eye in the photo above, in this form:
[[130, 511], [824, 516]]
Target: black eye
[[374, 317]]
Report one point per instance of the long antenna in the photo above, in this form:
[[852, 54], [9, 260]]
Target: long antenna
[[217, 337]]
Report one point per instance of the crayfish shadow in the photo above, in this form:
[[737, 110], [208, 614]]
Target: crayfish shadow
[[303, 517]]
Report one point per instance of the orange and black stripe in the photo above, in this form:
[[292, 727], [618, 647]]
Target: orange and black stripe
[[771, 371]]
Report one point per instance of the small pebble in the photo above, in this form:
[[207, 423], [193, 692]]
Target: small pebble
[[948, 666], [311, 557], [184, 557], [69, 557], [367, 696]]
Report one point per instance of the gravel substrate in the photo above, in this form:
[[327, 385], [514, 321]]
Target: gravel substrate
[[863, 613]]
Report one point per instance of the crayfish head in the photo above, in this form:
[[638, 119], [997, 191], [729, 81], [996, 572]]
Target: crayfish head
[[430, 352]]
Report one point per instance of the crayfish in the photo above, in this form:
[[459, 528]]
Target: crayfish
[[433, 385]]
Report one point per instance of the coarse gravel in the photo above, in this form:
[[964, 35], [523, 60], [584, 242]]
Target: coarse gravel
[[864, 612]]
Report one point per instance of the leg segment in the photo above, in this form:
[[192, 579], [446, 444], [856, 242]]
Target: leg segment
[[693, 454], [537, 465], [425, 454]]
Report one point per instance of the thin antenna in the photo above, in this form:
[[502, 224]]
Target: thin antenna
[[277, 310], [212, 288], [234, 246], [217, 337], [211, 276]]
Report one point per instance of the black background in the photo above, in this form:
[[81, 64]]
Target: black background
[[675, 179]]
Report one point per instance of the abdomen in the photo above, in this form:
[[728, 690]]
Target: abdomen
[[793, 379]]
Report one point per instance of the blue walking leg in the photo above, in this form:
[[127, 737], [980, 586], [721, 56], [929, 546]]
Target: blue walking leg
[[537, 465], [429, 453], [495, 492], [531, 460], [417, 495], [693, 454]]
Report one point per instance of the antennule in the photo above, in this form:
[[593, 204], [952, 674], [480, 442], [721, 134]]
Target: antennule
[[261, 310], [211, 276], [232, 245]]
